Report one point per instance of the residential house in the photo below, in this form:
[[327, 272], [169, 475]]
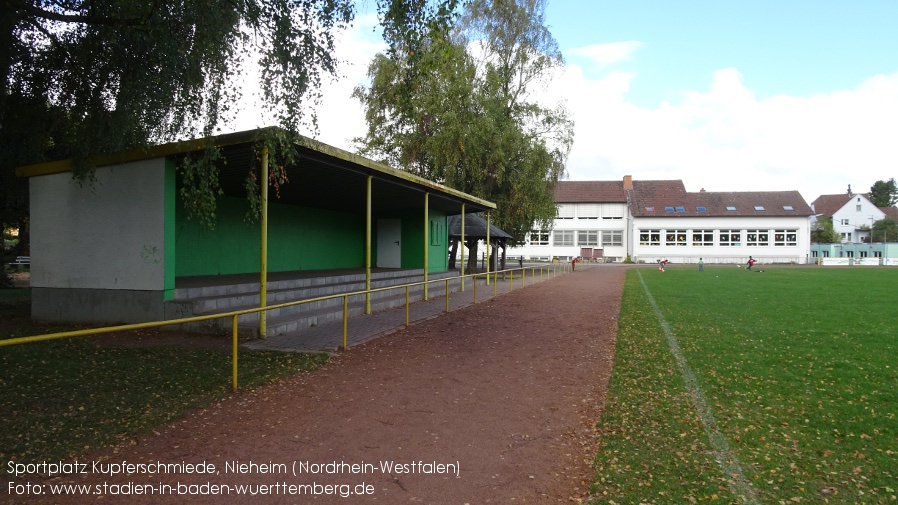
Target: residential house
[[852, 215]]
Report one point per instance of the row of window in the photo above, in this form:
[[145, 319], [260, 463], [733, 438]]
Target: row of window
[[591, 211], [726, 238], [847, 254], [582, 238]]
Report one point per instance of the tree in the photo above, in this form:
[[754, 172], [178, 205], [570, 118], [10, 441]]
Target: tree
[[460, 109], [823, 233], [87, 77], [884, 194], [884, 230]]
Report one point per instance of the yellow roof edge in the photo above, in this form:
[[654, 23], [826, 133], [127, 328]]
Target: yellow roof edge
[[137, 154]]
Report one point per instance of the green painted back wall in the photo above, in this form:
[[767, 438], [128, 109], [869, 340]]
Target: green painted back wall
[[299, 238], [413, 241]]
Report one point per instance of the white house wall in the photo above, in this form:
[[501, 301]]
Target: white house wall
[[97, 250], [601, 218], [690, 252], [857, 213], [108, 234]]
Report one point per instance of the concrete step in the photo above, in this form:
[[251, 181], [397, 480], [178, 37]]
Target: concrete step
[[205, 300]]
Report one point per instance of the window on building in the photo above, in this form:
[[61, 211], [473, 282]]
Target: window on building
[[857, 208], [731, 208], [826, 254], [650, 237], [759, 207], [785, 237], [588, 211], [701, 209], [613, 210], [731, 237], [877, 254], [850, 254], [788, 207], [539, 237], [564, 237], [612, 238], [587, 238], [813, 254], [757, 238], [566, 211], [675, 237], [863, 254], [844, 222], [668, 209], [680, 209], [703, 238]]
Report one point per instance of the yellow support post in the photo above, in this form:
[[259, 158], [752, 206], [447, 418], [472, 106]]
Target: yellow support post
[[368, 248], [234, 350], [426, 239], [263, 246], [462, 248], [345, 318], [487, 248]]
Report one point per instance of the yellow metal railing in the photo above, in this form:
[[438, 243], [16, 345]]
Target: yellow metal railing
[[551, 271]]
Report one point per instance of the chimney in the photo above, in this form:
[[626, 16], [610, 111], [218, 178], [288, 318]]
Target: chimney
[[628, 182]]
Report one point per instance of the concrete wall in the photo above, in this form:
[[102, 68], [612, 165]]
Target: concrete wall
[[101, 244]]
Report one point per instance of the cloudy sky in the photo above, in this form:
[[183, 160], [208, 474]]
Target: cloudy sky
[[761, 95]]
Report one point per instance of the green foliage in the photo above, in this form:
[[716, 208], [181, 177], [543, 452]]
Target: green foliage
[[471, 120], [885, 230], [84, 78], [823, 233], [805, 396], [884, 194]]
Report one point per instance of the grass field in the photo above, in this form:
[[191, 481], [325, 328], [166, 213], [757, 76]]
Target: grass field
[[63, 398], [787, 391]]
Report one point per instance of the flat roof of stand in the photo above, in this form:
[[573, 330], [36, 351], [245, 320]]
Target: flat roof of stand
[[323, 176]]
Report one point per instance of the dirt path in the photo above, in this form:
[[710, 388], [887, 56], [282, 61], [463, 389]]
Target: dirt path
[[505, 392]]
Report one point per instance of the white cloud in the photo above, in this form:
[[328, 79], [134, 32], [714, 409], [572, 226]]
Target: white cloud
[[723, 138], [726, 139], [605, 55]]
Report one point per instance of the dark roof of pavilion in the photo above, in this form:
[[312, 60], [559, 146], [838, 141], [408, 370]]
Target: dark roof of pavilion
[[475, 227]]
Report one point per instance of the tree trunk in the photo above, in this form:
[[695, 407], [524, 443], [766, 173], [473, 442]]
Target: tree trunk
[[472, 256], [453, 252]]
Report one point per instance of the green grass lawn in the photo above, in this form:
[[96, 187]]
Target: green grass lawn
[[797, 366], [62, 398]]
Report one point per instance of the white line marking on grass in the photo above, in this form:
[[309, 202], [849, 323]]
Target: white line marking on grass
[[728, 462]]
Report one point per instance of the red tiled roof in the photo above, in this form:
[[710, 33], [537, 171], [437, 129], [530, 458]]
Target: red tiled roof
[[827, 205], [890, 211], [590, 192], [670, 199]]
